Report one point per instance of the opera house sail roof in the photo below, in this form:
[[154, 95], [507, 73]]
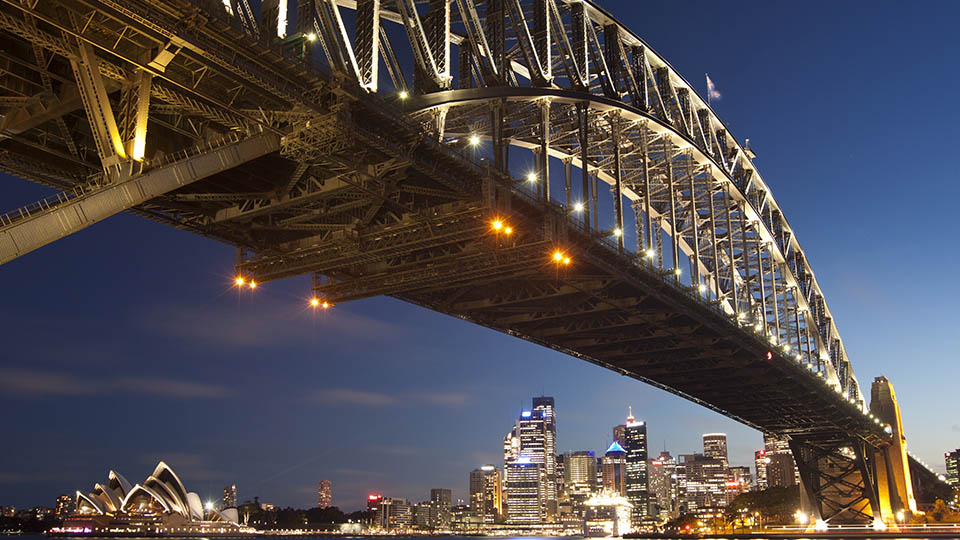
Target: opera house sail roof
[[158, 506]]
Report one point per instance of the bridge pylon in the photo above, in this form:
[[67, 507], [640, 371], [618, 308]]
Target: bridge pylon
[[897, 502]]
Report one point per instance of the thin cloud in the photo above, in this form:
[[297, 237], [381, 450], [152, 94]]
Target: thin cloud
[[348, 396], [269, 324], [33, 383], [7, 478]]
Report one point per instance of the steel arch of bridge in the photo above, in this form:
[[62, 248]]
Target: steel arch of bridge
[[571, 68]]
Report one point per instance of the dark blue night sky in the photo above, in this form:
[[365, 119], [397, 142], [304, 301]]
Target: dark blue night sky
[[125, 344]]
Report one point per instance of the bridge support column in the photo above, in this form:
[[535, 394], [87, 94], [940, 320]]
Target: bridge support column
[[837, 481], [584, 147]]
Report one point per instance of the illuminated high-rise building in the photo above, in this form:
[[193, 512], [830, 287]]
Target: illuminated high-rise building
[[373, 501], [715, 446], [229, 496], [486, 493], [618, 433], [703, 481], [952, 460], [760, 462], [662, 486], [580, 472], [324, 494], [635, 446], [534, 440], [614, 466], [781, 470], [524, 492]]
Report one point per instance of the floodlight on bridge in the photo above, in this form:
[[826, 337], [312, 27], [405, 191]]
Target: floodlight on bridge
[[403, 94], [253, 284], [239, 281], [578, 207], [474, 140], [314, 302], [497, 224], [618, 232], [531, 177]]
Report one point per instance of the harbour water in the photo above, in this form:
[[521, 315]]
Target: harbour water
[[834, 536]]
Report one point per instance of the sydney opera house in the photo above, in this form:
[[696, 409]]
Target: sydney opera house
[[160, 506]]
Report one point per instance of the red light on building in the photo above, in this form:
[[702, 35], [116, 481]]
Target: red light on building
[[373, 501], [769, 355]]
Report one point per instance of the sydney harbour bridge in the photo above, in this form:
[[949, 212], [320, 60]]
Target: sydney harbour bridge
[[369, 143]]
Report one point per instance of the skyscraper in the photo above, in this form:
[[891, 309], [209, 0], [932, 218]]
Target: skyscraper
[[760, 462], [486, 493], [534, 440], [704, 482], [614, 465], [635, 446], [662, 485], [618, 433], [781, 471], [324, 494], [230, 496], [440, 503], [952, 460], [580, 472], [715, 446], [524, 483]]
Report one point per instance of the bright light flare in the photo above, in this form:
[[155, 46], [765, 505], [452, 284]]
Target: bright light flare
[[650, 253], [325, 305], [311, 37], [618, 232], [253, 284], [578, 207], [497, 225], [566, 260], [531, 177], [208, 506], [403, 94], [239, 281], [508, 230], [557, 256], [474, 140], [314, 302]]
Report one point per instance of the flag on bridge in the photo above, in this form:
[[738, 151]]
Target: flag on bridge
[[712, 92]]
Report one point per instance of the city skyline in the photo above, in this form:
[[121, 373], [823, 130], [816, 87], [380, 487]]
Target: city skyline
[[186, 348]]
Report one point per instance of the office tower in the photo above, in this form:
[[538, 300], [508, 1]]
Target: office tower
[[635, 446], [618, 433], [394, 513], [760, 462], [704, 482], [534, 440], [738, 482], [229, 496], [614, 465], [486, 493], [580, 472], [65, 505], [373, 501], [324, 494], [545, 407], [781, 471], [524, 491], [715, 446], [952, 460], [441, 502], [662, 485]]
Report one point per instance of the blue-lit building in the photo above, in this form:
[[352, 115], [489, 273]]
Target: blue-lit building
[[531, 442], [614, 466]]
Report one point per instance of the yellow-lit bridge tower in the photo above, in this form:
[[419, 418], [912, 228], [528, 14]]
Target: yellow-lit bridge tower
[[894, 485]]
